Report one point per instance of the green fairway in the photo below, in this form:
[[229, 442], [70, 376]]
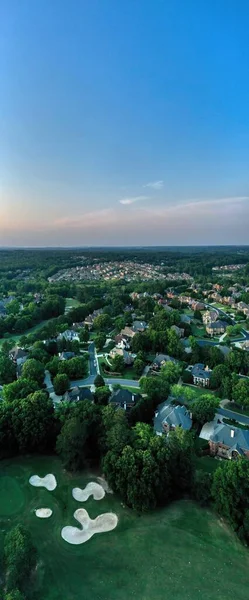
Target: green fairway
[[71, 303], [180, 552], [15, 337]]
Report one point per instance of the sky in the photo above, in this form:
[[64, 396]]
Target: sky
[[124, 122]]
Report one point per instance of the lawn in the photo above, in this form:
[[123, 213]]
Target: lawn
[[198, 330], [127, 374], [180, 552], [71, 303], [207, 463], [199, 391], [16, 336]]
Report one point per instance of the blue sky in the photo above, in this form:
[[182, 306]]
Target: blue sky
[[124, 122]]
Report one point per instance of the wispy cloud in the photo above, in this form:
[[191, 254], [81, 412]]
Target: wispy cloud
[[133, 199], [155, 185]]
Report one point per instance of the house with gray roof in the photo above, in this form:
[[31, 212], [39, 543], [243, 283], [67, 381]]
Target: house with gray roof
[[161, 359], [77, 394], [123, 398], [168, 417], [229, 442], [201, 374], [216, 328]]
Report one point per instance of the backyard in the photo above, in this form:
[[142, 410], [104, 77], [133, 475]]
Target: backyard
[[179, 552]]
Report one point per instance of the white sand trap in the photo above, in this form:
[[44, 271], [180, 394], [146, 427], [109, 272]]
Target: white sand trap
[[91, 489], [43, 513], [102, 523], [49, 481]]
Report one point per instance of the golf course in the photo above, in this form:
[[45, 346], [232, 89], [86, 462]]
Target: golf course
[[179, 552]]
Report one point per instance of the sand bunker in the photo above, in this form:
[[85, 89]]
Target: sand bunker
[[43, 513], [102, 523], [91, 489], [49, 481]]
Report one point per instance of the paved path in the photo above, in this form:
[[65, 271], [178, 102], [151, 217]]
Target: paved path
[[244, 333]]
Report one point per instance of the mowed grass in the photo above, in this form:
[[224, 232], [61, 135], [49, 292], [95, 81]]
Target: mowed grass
[[71, 303], [180, 552], [16, 336]]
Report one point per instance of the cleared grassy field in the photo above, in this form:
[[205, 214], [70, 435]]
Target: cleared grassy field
[[71, 303], [15, 337], [180, 552]]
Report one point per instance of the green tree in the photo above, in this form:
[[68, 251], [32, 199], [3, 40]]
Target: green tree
[[19, 389], [171, 372], [33, 369], [118, 364], [75, 368], [100, 341], [102, 395], [204, 409], [61, 384], [33, 422], [216, 357], [201, 487], [241, 392], [14, 595], [13, 307], [99, 381], [19, 558], [79, 441], [102, 322], [230, 492], [84, 335], [217, 376], [138, 367], [7, 370], [53, 365]]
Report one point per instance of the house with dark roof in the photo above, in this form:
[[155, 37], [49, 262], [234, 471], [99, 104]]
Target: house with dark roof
[[123, 398], [229, 442], [139, 326], [201, 374], [168, 417], [66, 355], [216, 328], [18, 355], [76, 394], [178, 330], [161, 359]]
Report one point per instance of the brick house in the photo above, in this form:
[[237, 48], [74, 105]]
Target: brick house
[[229, 442]]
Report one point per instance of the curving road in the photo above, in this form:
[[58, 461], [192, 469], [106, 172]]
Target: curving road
[[245, 334], [94, 370]]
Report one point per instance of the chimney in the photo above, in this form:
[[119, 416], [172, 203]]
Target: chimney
[[232, 433]]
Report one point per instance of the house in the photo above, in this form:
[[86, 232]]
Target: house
[[178, 330], [209, 316], [201, 374], [161, 360], [168, 417], [127, 356], [186, 319], [66, 355], [229, 442], [139, 326], [196, 305], [128, 332], [89, 321], [69, 335], [18, 356], [123, 398], [76, 394], [216, 328]]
